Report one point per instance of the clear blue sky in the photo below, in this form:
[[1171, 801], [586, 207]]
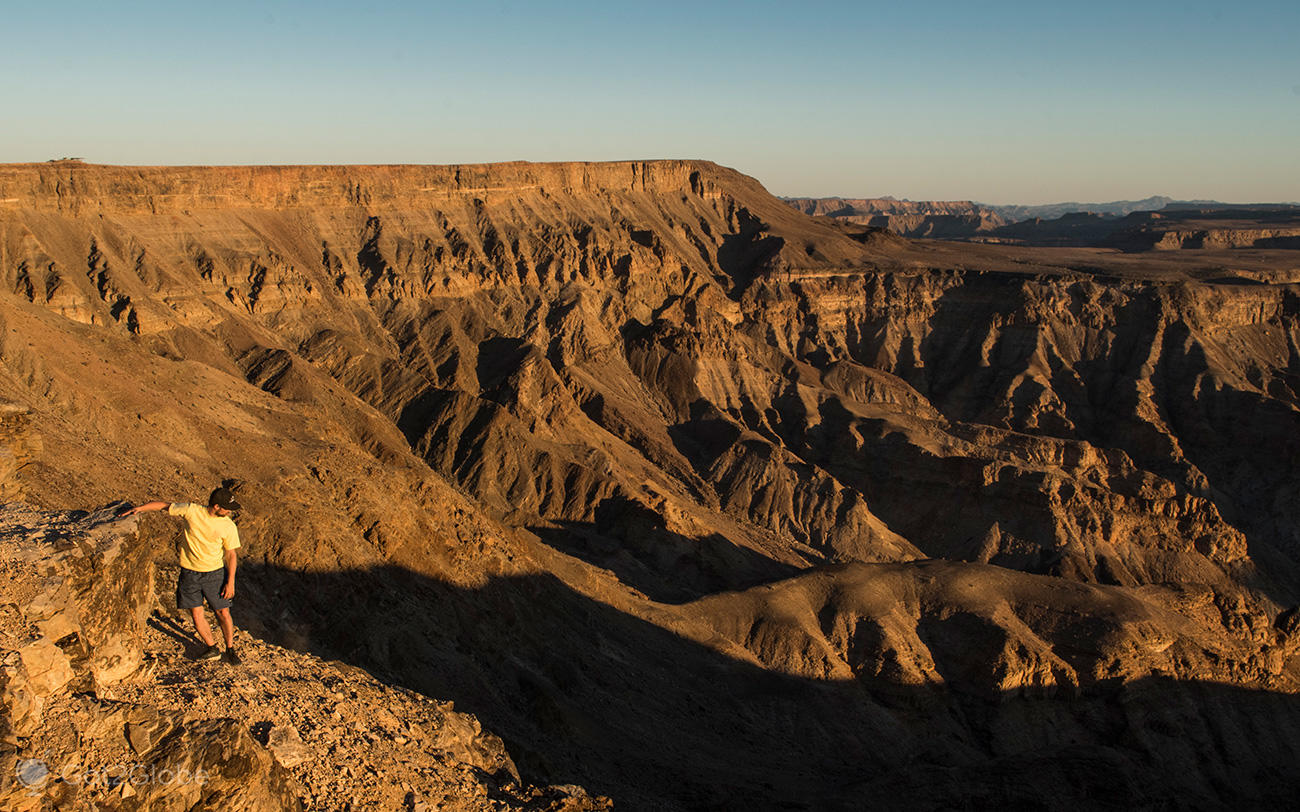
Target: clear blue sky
[[1003, 102]]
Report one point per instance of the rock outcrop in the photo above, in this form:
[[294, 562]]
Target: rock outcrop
[[100, 707], [78, 589], [18, 446]]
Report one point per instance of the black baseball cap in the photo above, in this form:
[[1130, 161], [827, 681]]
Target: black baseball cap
[[224, 498]]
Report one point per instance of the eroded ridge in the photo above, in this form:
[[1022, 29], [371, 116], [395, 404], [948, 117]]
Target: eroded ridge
[[642, 419]]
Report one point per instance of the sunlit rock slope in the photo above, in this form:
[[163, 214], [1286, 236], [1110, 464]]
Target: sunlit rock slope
[[693, 499]]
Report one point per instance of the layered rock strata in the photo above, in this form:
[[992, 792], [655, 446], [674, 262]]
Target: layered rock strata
[[700, 448], [18, 447], [923, 219]]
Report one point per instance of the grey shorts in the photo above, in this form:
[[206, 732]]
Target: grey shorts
[[193, 587]]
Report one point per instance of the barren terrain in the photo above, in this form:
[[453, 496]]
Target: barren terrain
[[693, 500]]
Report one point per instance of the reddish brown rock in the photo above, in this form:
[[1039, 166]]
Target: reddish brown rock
[[641, 466]]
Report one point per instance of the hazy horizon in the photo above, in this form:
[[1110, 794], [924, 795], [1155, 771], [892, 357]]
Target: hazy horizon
[[1003, 103]]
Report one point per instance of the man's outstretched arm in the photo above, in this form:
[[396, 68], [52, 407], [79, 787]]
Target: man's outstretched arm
[[147, 506]]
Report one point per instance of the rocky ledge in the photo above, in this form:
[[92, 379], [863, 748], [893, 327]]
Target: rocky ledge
[[100, 706]]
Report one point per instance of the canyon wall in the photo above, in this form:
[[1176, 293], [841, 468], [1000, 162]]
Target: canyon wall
[[661, 477], [937, 219]]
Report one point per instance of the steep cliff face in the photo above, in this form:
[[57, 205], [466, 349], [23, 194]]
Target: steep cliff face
[[1232, 227], [650, 384], [1177, 401], [925, 219], [1173, 239]]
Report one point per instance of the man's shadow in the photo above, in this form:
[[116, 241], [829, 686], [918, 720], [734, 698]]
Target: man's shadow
[[191, 646]]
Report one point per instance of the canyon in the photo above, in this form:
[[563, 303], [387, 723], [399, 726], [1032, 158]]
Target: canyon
[[1155, 223], [688, 498]]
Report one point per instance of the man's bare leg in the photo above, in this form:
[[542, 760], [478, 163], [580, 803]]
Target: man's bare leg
[[201, 625], [227, 627]]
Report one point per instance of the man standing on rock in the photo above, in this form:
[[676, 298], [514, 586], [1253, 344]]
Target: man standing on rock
[[207, 557]]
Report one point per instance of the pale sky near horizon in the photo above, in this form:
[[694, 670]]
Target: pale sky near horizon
[[1001, 102]]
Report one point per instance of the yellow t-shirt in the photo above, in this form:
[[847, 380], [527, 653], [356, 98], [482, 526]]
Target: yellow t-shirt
[[206, 537]]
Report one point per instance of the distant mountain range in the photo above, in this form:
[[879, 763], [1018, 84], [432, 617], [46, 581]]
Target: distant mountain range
[[1153, 222], [1115, 208], [1013, 213]]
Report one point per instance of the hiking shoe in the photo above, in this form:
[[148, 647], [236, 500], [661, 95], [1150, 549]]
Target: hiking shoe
[[209, 653], [232, 657]]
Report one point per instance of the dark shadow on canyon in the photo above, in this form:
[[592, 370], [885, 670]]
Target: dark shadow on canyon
[[633, 542], [584, 693], [747, 253]]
